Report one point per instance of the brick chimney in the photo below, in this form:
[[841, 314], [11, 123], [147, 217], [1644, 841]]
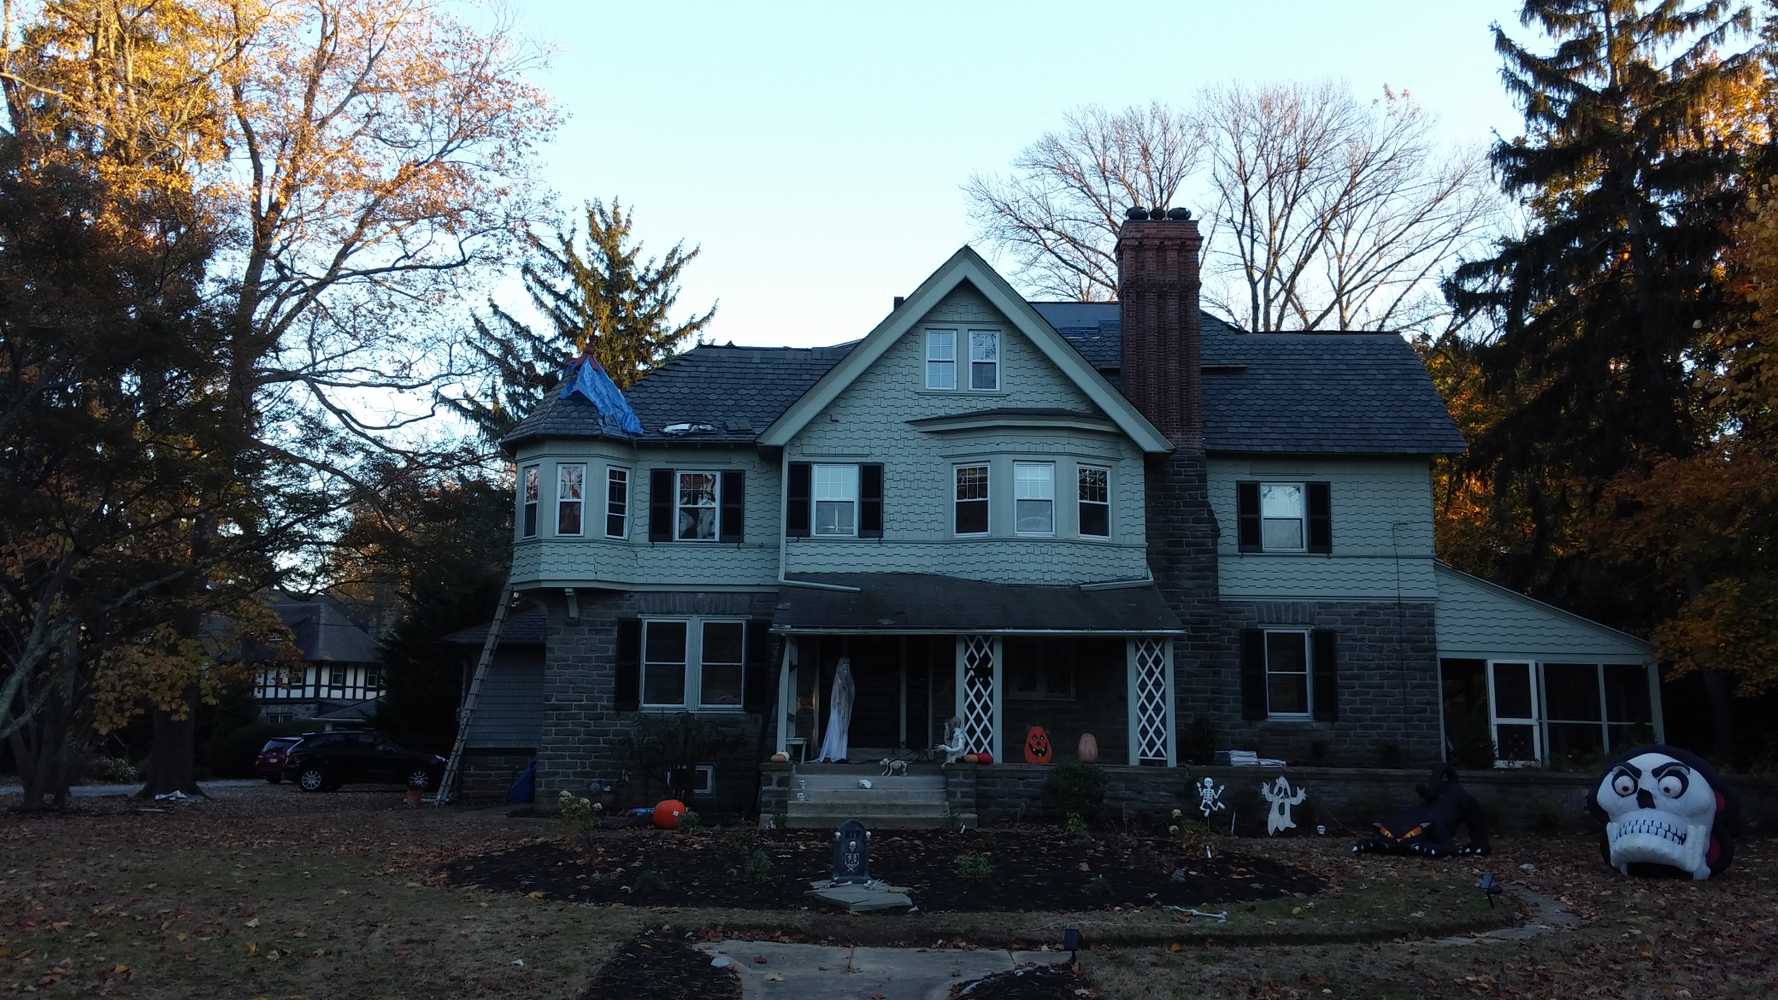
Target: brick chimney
[[1157, 284]]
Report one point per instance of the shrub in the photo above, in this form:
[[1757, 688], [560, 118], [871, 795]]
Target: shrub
[[759, 866], [103, 768], [1074, 825], [1075, 790], [580, 817], [974, 867]]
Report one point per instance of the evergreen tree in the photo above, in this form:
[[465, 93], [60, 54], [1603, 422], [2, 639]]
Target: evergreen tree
[[599, 296]]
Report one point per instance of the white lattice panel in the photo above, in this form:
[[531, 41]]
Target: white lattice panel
[[1153, 731], [978, 693]]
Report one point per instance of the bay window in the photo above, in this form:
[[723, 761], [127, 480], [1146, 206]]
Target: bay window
[[971, 500], [617, 502], [529, 487], [1095, 501], [570, 498], [1034, 498]]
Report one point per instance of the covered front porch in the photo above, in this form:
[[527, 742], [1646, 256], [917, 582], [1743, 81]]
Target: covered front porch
[[999, 658]]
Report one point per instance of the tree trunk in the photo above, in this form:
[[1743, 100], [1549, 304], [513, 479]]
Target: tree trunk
[[1719, 685], [172, 758]]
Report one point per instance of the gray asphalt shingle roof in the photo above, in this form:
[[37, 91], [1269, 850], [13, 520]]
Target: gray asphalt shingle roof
[[887, 602], [1271, 393], [522, 628]]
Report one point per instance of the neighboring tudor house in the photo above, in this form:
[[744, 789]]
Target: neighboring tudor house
[[340, 675], [1116, 518]]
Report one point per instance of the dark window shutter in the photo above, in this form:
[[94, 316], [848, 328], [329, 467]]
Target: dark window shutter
[[1247, 516], [1325, 674], [870, 501], [796, 501], [1253, 674], [1320, 518], [628, 694], [762, 670], [660, 505], [734, 507]]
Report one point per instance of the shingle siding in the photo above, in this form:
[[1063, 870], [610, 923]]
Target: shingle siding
[[509, 713], [1477, 619]]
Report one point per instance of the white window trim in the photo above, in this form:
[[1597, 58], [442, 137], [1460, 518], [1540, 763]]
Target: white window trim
[[929, 360], [969, 335], [561, 469], [815, 500], [1534, 679], [1308, 675], [679, 491], [609, 469], [1079, 503], [706, 781], [988, 500], [693, 666], [1302, 489], [1016, 500], [526, 471]]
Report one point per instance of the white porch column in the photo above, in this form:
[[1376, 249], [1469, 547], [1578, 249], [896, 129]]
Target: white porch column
[[979, 693], [786, 696], [1153, 723]]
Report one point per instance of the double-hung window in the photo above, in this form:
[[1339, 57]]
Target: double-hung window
[[700, 663], [529, 487], [1284, 517], [1034, 498], [836, 500], [695, 517], [720, 665], [941, 359], [570, 498], [1095, 501], [971, 503], [1287, 674], [984, 359], [664, 649], [617, 502], [1281, 516]]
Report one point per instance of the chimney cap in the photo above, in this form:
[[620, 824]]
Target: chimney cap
[[1179, 214], [1136, 212]]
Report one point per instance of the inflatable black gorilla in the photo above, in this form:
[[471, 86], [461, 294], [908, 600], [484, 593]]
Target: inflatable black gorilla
[[1430, 828]]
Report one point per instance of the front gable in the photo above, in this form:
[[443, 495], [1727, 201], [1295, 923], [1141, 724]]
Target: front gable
[[965, 291]]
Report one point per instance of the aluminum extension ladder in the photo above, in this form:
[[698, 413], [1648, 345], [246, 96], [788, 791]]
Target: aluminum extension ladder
[[466, 711]]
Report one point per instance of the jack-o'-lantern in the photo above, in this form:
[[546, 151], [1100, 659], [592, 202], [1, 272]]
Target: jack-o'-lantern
[[668, 813], [1037, 746]]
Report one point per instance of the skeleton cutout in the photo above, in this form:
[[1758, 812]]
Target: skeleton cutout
[[1665, 812]]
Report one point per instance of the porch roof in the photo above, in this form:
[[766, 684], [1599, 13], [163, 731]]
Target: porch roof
[[928, 603]]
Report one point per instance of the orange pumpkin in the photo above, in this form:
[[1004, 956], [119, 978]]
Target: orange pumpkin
[[1037, 746], [667, 814], [972, 758]]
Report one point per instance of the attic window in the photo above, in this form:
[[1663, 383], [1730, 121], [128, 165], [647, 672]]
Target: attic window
[[688, 428]]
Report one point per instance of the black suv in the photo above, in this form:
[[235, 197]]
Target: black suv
[[325, 761]]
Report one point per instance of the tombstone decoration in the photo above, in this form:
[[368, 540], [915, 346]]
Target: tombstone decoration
[[1429, 829], [1282, 799], [1665, 812], [851, 853], [1037, 746], [1210, 798]]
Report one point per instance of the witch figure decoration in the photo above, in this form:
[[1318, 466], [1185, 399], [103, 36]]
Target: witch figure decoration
[[839, 714]]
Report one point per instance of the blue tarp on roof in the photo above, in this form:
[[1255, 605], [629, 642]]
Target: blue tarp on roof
[[586, 377]]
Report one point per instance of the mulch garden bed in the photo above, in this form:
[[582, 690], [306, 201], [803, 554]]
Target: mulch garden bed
[[659, 965], [1024, 871], [1061, 981]]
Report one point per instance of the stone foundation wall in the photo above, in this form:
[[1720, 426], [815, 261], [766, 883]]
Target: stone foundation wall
[[484, 774]]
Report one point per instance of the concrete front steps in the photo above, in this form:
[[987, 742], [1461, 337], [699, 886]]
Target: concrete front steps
[[831, 796]]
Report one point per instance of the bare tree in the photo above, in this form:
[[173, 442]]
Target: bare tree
[[1334, 211], [1058, 212]]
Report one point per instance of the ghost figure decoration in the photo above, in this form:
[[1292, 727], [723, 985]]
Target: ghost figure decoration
[[1665, 812], [1282, 798]]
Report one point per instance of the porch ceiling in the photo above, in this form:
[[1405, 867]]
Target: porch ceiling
[[928, 603]]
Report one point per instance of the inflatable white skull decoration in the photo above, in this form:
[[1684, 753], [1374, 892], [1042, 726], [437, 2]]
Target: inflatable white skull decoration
[[1664, 809]]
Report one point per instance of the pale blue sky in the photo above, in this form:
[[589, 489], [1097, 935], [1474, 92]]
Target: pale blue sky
[[817, 151]]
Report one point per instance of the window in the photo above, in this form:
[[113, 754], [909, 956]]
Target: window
[[1038, 669], [1287, 674], [941, 359], [336, 678], [663, 663], [720, 665], [972, 500], [696, 520], [1034, 498], [617, 502], [528, 489], [836, 500], [984, 359], [1095, 501], [373, 678], [278, 717], [1281, 516], [1512, 693], [703, 782], [570, 498]]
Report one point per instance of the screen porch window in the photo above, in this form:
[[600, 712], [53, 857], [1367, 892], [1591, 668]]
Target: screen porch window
[[836, 500], [570, 498], [1034, 498], [663, 663], [1512, 693], [984, 359], [1281, 513], [971, 500], [720, 665], [696, 503], [530, 486], [941, 359], [1095, 501], [1287, 674], [617, 502]]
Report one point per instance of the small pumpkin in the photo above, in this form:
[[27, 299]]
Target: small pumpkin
[[1088, 750], [780, 758], [1037, 746], [668, 813], [972, 758], [984, 757]]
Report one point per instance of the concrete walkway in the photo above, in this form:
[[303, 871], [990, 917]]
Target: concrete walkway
[[823, 972], [220, 787]]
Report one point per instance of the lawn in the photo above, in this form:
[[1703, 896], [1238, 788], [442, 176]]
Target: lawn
[[276, 894]]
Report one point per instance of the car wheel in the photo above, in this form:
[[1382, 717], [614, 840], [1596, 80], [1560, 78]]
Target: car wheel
[[420, 778], [274, 779], [311, 779]]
